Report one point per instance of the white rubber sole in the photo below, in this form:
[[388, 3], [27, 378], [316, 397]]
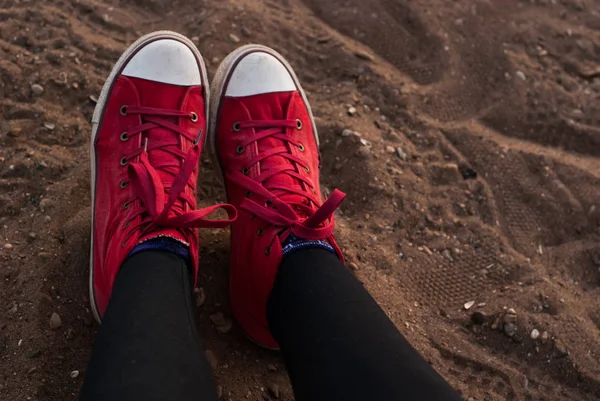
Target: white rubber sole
[[99, 115], [218, 89]]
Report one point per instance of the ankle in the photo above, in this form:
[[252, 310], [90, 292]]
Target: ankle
[[293, 244]]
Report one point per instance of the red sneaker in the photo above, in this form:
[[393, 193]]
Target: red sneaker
[[148, 131], [265, 141]]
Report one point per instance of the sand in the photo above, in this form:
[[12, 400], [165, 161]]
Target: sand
[[492, 200]]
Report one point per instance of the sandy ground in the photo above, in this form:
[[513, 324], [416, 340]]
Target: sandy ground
[[472, 173]]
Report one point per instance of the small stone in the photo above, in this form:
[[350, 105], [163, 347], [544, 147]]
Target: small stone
[[346, 133], [511, 311], [363, 152], [468, 305], [390, 149], [8, 246], [49, 126], [219, 391], [55, 321], [401, 154], [521, 75], [200, 297], [234, 38], [510, 329], [271, 368], [93, 99], [196, 39], [222, 324], [31, 237], [246, 32], [74, 374], [509, 318], [544, 337], [31, 370], [37, 89], [363, 56], [534, 334], [478, 318], [351, 111], [212, 359], [446, 253], [366, 143], [75, 85], [273, 389], [353, 266]]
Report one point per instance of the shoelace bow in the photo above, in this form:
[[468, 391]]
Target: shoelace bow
[[288, 216], [148, 186]]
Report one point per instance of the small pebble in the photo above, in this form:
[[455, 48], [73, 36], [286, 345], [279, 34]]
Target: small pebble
[[353, 266], [363, 56], [390, 149], [37, 89], [31, 237], [49, 126], [363, 152], [74, 374], [222, 324], [510, 329], [234, 38], [535, 334], [521, 75], [273, 389], [200, 296], [94, 99], [219, 391], [212, 359], [468, 305], [196, 39], [8, 246], [346, 133], [351, 111], [544, 337], [401, 154], [55, 321]]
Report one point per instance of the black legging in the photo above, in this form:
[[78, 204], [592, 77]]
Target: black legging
[[336, 341]]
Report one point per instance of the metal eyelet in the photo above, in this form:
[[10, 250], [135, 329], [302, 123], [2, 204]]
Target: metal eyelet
[[260, 232], [236, 127], [126, 205], [123, 110], [248, 193], [245, 171], [123, 161], [268, 251], [127, 224], [307, 169], [123, 244], [240, 150], [298, 124], [124, 184], [193, 117], [301, 147], [124, 136]]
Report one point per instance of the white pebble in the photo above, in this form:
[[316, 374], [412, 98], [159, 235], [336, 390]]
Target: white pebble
[[521, 75], [468, 305], [535, 334], [74, 374]]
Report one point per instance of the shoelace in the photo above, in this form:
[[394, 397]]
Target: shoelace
[[148, 186], [284, 215]]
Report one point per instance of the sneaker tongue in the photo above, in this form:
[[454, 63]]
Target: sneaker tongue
[[162, 96], [274, 106]]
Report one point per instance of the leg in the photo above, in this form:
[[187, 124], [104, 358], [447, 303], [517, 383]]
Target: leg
[[336, 341], [148, 347]]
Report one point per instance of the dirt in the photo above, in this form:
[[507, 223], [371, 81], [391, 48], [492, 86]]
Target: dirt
[[492, 200]]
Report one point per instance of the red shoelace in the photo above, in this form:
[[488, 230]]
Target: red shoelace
[[158, 210], [291, 217]]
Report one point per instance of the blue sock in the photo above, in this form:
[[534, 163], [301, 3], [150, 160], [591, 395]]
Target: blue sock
[[293, 243], [167, 244]]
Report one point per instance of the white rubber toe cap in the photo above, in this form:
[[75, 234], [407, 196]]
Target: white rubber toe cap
[[257, 73], [165, 60]]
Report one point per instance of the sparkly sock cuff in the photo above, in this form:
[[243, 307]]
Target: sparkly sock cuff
[[293, 244], [167, 244]]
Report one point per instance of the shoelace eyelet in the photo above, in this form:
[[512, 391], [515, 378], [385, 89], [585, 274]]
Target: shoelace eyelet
[[193, 117], [301, 147], [127, 224], [126, 205], [248, 193], [240, 150], [298, 124], [260, 232], [124, 136], [268, 251], [123, 161], [307, 169], [123, 110], [123, 244], [236, 127], [245, 171], [124, 184]]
